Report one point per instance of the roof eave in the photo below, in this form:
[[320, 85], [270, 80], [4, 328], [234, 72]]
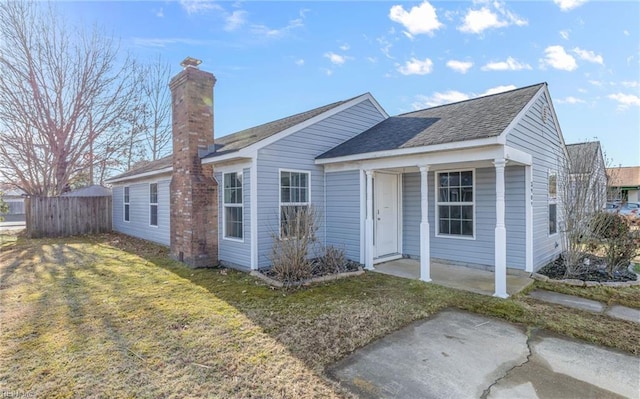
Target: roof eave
[[137, 176]]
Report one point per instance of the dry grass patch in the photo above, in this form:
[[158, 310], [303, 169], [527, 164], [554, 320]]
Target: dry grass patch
[[109, 316]]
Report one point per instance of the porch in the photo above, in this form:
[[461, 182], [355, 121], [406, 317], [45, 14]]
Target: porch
[[459, 277]]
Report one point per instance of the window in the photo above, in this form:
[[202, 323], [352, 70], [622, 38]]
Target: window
[[455, 205], [153, 204], [552, 200], [232, 202], [294, 203], [126, 204]]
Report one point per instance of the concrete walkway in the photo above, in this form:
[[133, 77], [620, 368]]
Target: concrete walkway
[[463, 355], [617, 311], [459, 277]]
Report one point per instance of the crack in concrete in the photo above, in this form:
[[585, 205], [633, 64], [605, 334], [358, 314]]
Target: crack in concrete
[[530, 333]]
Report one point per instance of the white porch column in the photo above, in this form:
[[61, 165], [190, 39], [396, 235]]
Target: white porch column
[[500, 233], [368, 242], [425, 248]]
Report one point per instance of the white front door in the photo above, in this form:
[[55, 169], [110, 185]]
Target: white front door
[[386, 214]]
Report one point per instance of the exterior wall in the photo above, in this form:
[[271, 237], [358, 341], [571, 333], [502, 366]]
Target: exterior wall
[[231, 252], [298, 152], [539, 137], [342, 216], [138, 225], [479, 251]]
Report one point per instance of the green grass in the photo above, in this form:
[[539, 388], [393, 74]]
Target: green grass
[[112, 316]]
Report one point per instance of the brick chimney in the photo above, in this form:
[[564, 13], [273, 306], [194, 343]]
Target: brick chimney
[[194, 192]]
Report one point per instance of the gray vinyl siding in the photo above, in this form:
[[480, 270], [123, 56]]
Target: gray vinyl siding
[[481, 250], [343, 212], [138, 225], [233, 252], [542, 140], [298, 152]]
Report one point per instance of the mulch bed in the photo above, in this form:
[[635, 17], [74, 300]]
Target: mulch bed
[[318, 270], [595, 271]]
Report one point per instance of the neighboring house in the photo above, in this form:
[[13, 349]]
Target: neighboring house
[[624, 183], [471, 183], [15, 199], [588, 177], [89, 191]]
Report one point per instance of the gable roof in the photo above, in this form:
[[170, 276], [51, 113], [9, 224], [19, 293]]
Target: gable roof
[[244, 138], [628, 176], [235, 142], [577, 153], [89, 191], [477, 118]]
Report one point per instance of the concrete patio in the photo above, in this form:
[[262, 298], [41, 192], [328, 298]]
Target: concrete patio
[[459, 277]]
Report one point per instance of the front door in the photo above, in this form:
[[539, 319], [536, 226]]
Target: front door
[[386, 214]]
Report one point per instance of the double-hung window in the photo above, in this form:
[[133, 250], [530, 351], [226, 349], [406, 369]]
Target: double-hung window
[[294, 203], [153, 204], [553, 202], [127, 204], [455, 203], [232, 203]]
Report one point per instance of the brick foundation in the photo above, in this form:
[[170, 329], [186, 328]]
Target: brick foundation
[[194, 191]]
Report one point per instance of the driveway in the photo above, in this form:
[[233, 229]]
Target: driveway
[[463, 355]]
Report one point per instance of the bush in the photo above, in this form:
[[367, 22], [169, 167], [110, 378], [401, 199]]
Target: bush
[[615, 237], [333, 260]]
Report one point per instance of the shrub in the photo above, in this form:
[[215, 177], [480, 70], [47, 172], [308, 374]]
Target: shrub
[[293, 243], [332, 260], [616, 238]]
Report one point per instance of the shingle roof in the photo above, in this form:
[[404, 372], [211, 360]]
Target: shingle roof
[[244, 138], [628, 176], [89, 191], [152, 166], [472, 119], [239, 140], [579, 151]]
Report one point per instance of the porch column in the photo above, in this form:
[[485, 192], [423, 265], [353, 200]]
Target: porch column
[[500, 233], [368, 242], [425, 249]]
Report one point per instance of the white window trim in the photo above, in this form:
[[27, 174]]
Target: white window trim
[[551, 201], [437, 202], [125, 203], [240, 205], [280, 203], [154, 203]]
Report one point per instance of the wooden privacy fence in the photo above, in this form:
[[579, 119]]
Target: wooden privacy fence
[[67, 216]]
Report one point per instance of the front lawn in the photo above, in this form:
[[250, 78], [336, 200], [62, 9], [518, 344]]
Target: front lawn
[[111, 316]]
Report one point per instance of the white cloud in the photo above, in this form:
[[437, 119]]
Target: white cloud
[[460, 66], [626, 32], [570, 100], [629, 83], [596, 83], [265, 31], [510, 64], [416, 67], [299, 62], [556, 57], [565, 34], [345, 47], [625, 100], [336, 59], [452, 96], [372, 60], [589, 56], [197, 6], [420, 19], [477, 21], [437, 98], [327, 71], [566, 5], [498, 89], [235, 20], [159, 13]]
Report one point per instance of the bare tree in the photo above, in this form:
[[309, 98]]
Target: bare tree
[[581, 185], [157, 100], [64, 94]]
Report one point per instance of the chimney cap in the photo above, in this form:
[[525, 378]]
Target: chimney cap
[[190, 63]]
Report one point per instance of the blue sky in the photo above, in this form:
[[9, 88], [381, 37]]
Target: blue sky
[[274, 59]]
